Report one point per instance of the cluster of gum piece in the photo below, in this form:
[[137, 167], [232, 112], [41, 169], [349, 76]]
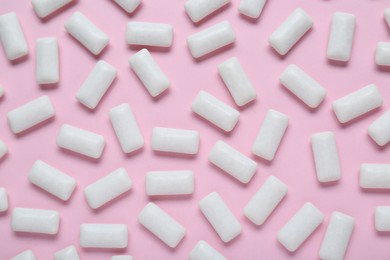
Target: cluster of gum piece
[[170, 140]]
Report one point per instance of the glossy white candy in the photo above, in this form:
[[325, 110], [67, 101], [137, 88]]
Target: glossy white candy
[[270, 135], [382, 218], [30, 114], [379, 130], [375, 176], [44, 8], [303, 86], [128, 5], [25, 255], [68, 253], [220, 217], [382, 54], [169, 183], [203, 251], [107, 188], [251, 8], [161, 225], [211, 39], [35, 220], [149, 34], [357, 103], [80, 141], [121, 257], [149, 72], [387, 16], [341, 36], [337, 236], [174, 140], [291, 30], [237, 82], [232, 162], [199, 9], [96, 84], [265, 200], [87, 33], [12, 37], [300, 227], [126, 128], [52, 180], [103, 236], [215, 111], [3, 149], [47, 64], [3, 200], [326, 157]]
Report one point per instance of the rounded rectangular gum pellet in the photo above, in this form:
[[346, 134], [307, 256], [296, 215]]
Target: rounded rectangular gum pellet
[[96, 84], [30, 114], [44, 8], [121, 257], [220, 217], [337, 236], [108, 188], [291, 30], [199, 9], [232, 162], [169, 183], [163, 226], [174, 140], [379, 130], [104, 236], [81, 141], [211, 39], [25, 255], [300, 227], [303, 86], [3, 149], [270, 135], [215, 111], [149, 34], [237, 82], [251, 8], [326, 157], [47, 70], [126, 128], [149, 72], [35, 221], [52, 180], [375, 176], [382, 218], [128, 5], [87, 33], [341, 35], [266, 199], [357, 103], [203, 251], [3, 200], [382, 54], [12, 36], [67, 253]]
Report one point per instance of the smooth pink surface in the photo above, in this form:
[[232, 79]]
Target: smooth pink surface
[[293, 163]]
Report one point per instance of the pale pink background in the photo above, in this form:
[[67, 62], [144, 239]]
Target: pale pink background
[[293, 163]]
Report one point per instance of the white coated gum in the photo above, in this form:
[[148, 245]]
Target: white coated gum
[[379, 130], [357, 103], [290, 31], [211, 39], [220, 217], [215, 111]]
